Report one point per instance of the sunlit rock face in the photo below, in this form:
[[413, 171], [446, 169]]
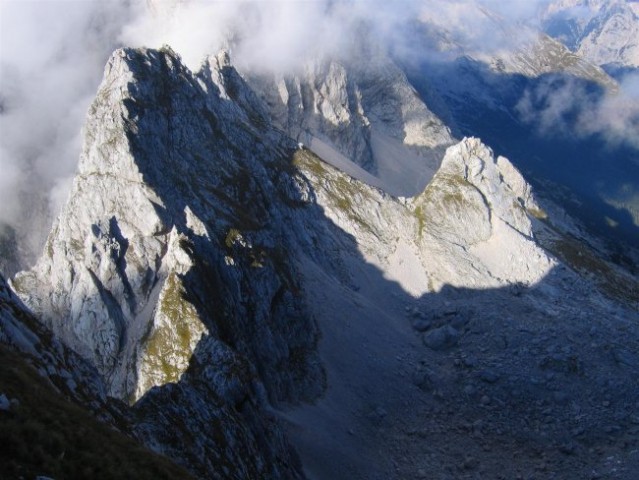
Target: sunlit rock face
[[481, 206], [603, 32]]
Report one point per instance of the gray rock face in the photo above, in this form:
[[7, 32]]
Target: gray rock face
[[170, 249], [481, 205], [21, 332], [325, 102], [602, 32], [366, 111], [163, 197]]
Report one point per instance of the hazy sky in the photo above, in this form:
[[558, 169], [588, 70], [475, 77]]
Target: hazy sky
[[52, 54]]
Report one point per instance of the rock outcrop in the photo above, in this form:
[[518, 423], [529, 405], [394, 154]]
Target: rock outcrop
[[482, 206]]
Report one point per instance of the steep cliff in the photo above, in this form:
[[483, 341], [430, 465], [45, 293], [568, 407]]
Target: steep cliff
[[170, 256]]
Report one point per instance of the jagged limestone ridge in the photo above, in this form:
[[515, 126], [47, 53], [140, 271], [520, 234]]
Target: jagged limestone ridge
[[142, 278], [178, 252]]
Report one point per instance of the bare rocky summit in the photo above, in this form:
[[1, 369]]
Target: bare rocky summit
[[253, 311]]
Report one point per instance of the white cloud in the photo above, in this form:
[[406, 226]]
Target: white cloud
[[570, 107], [51, 58]]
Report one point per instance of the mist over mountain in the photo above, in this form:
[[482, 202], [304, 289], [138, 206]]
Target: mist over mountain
[[323, 240], [56, 60]]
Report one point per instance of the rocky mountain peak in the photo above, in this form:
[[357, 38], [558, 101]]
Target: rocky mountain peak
[[481, 203], [170, 249], [161, 177], [218, 270]]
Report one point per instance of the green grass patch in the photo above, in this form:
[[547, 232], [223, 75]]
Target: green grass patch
[[583, 259], [421, 219], [49, 435], [232, 236], [341, 189], [442, 194], [537, 213], [169, 341], [306, 160]]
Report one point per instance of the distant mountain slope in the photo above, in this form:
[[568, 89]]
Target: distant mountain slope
[[551, 112], [604, 33], [364, 110]]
